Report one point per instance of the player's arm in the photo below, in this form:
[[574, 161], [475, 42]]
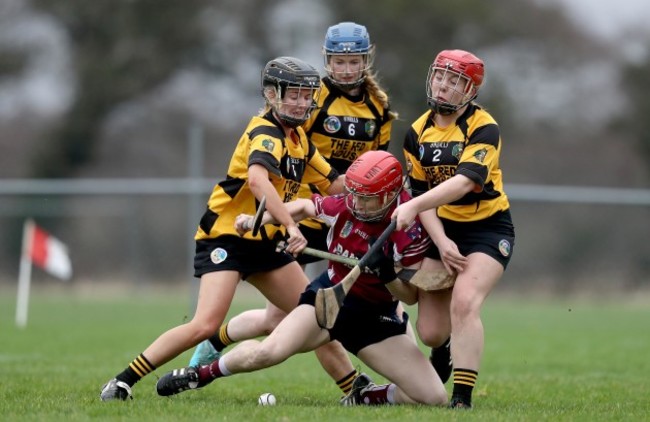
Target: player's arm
[[448, 191], [299, 209], [258, 180], [404, 292], [451, 256], [337, 186]]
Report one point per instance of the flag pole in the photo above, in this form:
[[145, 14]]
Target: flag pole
[[25, 274]]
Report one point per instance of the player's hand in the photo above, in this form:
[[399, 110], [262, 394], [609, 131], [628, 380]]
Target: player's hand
[[382, 264], [451, 258], [296, 242], [405, 215], [243, 223]]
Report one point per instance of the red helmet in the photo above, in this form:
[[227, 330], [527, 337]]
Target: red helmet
[[374, 181], [467, 67]]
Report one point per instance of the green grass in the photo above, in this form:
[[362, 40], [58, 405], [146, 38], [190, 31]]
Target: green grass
[[544, 360]]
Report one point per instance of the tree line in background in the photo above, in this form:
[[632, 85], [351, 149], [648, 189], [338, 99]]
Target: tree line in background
[[123, 50]]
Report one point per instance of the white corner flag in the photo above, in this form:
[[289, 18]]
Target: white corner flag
[[45, 251]]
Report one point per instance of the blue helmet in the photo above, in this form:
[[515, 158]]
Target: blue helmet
[[348, 38]]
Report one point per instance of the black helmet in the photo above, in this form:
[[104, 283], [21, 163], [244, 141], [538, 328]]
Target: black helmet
[[283, 73], [289, 71]]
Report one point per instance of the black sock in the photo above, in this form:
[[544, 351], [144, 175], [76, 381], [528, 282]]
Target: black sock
[[220, 340], [345, 383], [464, 382], [136, 370]]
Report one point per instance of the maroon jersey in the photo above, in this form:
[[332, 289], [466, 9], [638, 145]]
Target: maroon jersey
[[350, 237]]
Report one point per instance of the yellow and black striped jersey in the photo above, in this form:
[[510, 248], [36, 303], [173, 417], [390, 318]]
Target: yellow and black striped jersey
[[290, 161], [471, 147], [342, 128]]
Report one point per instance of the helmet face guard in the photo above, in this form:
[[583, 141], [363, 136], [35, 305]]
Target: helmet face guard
[[290, 98], [453, 80], [373, 182], [347, 40], [295, 82]]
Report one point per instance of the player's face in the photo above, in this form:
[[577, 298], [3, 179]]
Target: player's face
[[448, 86], [367, 206], [347, 68], [297, 102]]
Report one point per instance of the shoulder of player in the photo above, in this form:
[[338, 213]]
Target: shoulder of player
[[260, 126], [479, 117], [324, 92], [419, 123]]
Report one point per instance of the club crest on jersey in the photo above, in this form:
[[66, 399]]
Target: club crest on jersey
[[371, 126], [268, 145], [218, 255], [480, 155], [421, 151], [504, 247], [347, 229], [332, 124], [457, 151], [414, 231]]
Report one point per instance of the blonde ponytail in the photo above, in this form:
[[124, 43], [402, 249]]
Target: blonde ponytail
[[373, 88]]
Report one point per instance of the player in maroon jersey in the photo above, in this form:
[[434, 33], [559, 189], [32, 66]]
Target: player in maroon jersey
[[368, 324]]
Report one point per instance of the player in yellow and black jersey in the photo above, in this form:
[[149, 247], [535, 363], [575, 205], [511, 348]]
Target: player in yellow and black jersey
[[272, 159], [453, 152], [289, 160], [352, 116]]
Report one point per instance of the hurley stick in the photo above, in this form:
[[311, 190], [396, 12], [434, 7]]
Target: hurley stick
[[424, 279], [257, 221], [329, 300]]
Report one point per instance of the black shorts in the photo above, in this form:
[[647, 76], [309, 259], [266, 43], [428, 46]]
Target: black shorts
[[316, 238], [359, 323], [494, 236], [235, 253]]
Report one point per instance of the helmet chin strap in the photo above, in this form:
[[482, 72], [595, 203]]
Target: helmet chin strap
[[442, 109], [445, 109]]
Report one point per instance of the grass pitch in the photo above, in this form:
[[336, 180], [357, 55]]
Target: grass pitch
[[544, 360]]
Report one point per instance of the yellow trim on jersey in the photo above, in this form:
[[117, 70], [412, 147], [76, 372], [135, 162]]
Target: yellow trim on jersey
[[343, 129], [472, 147], [338, 109], [288, 161]]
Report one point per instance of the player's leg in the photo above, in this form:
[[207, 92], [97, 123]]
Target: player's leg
[[246, 325], [302, 334], [259, 322], [412, 378], [434, 323], [209, 314], [332, 356], [471, 288], [298, 332]]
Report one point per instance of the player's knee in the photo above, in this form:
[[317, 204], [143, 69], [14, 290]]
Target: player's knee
[[437, 398], [430, 396], [271, 322], [463, 306], [202, 330], [432, 335]]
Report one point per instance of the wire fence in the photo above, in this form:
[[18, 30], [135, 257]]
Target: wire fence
[[141, 230]]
